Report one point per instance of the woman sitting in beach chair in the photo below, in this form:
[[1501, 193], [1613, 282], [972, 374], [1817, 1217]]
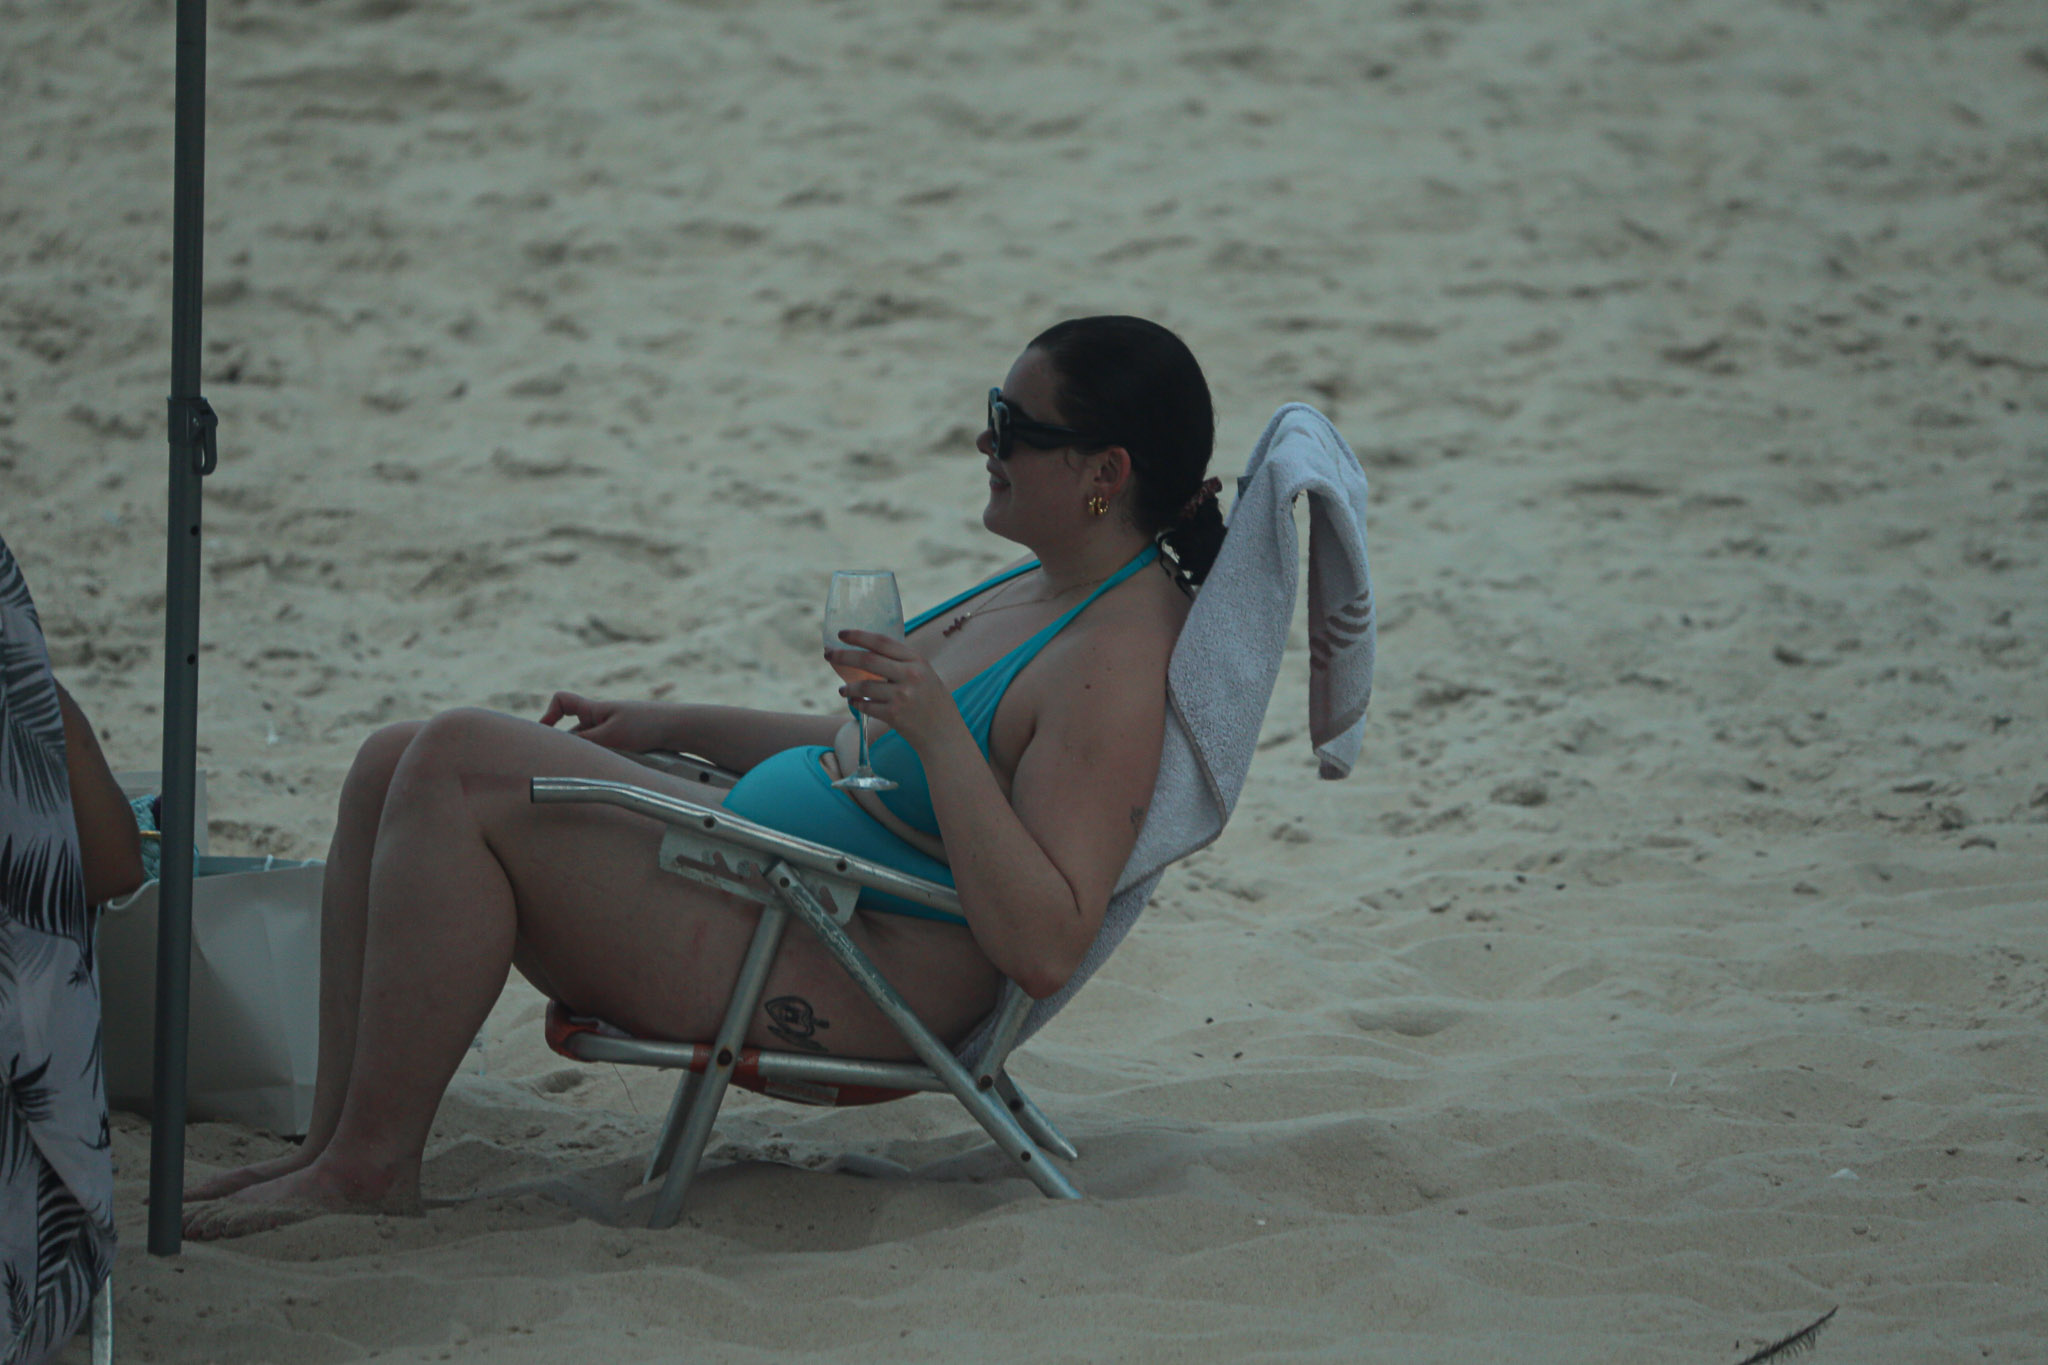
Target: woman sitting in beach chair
[[1023, 725]]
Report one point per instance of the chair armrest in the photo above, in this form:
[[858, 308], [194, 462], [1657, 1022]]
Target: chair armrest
[[712, 822], [678, 764]]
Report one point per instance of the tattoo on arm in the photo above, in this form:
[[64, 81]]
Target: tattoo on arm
[[791, 1018]]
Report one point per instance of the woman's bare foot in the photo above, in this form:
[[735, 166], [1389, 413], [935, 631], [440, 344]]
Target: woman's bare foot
[[292, 1198], [242, 1177]]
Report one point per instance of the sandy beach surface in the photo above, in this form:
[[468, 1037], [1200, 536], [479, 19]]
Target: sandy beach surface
[[1673, 970]]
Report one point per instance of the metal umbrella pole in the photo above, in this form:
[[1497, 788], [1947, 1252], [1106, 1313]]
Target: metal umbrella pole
[[193, 454]]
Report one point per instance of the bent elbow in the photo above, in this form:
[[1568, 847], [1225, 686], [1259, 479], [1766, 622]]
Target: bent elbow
[[1040, 985], [1050, 974], [113, 861], [1044, 956], [103, 883]]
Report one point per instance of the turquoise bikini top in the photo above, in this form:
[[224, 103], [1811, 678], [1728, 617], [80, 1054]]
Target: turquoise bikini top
[[977, 698]]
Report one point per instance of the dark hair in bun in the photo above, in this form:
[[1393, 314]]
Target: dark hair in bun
[[1135, 384]]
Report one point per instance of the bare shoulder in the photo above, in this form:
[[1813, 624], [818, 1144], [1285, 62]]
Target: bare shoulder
[[1123, 641], [1101, 679]]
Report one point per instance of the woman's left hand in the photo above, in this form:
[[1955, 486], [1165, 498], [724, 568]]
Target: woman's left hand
[[907, 695]]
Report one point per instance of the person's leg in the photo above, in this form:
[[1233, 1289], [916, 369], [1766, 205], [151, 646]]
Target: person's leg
[[468, 876], [344, 905], [439, 931]]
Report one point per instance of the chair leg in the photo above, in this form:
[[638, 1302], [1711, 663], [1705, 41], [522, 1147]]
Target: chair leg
[[1034, 1120], [672, 1129], [993, 1115], [102, 1315], [710, 1089]]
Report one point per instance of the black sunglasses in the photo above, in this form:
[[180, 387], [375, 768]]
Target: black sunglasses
[[1005, 426]]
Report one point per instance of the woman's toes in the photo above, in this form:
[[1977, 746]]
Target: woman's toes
[[224, 1183]]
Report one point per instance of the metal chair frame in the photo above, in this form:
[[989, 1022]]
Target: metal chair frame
[[818, 885]]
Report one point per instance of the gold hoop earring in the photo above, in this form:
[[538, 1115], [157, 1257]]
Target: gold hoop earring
[[1098, 504]]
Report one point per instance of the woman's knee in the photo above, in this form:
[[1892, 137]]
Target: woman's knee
[[468, 739], [378, 758]]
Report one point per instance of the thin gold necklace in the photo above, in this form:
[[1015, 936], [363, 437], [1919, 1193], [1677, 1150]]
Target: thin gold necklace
[[952, 627]]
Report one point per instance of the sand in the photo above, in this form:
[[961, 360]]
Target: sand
[[1672, 970]]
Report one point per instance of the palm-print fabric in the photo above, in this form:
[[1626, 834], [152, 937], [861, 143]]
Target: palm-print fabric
[[56, 1167]]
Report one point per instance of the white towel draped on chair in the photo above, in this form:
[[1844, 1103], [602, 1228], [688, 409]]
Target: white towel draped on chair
[[1228, 660]]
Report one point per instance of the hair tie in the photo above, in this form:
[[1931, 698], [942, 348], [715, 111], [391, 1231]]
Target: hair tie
[[1206, 493]]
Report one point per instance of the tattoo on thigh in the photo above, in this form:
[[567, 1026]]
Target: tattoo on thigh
[[791, 1018]]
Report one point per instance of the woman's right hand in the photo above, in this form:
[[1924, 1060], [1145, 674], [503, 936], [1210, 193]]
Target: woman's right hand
[[631, 726]]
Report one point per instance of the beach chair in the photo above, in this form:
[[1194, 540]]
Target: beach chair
[[818, 886], [1219, 683]]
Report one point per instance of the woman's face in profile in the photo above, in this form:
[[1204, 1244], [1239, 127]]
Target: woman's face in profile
[[1026, 491]]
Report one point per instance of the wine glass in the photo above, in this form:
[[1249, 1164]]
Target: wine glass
[[862, 599]]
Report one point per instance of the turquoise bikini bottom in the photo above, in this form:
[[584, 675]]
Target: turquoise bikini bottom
[[791, 792]]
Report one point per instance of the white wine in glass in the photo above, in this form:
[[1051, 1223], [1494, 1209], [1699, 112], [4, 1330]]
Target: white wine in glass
[[862, 599]]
